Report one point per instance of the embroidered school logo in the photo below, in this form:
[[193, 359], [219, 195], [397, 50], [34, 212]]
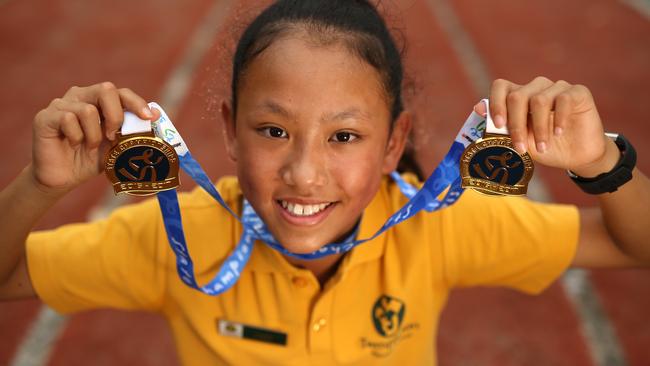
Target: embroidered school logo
[[387, 315], [388, 320]]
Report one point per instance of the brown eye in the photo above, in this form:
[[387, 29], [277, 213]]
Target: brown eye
[[273, 132], [344, 137], [276, 132]]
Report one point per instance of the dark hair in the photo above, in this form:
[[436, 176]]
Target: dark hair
[[355, 23]]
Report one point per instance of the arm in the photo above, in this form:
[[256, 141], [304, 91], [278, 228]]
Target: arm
[[614, 234], [27, 202], [558, 124], [70, 138]]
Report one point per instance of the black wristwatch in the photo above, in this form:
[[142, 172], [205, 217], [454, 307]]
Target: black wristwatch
[[610, 181]]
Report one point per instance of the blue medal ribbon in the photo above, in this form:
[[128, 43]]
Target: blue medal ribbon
[[445, 177]]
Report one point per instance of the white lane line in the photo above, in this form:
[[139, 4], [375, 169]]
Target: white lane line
[[640, 6], [179, 82], [605, 350], [40, 339], [596, 329], [462, 43], [36, 347]]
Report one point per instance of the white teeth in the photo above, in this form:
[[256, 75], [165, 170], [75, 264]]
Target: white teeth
[[303, 210], [307, 210]]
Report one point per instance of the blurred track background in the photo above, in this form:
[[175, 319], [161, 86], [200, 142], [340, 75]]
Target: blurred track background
[[178, 53]]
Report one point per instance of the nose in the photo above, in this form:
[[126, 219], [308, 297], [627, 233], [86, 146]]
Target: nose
[[305, 168]]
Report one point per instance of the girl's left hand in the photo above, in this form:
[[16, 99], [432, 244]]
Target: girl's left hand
[[555, 122]]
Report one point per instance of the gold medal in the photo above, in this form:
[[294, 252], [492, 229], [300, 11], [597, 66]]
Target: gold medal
[[491, 165], [141, 165]]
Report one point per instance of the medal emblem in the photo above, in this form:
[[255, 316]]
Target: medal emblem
[[142, 165], [491, 165]]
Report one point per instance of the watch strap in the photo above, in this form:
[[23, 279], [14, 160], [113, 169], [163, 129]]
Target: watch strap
[[610, 181]]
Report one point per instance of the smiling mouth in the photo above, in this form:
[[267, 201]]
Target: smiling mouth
[[303, 210]]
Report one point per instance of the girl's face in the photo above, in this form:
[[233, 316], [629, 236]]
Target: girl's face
[[312, 140]]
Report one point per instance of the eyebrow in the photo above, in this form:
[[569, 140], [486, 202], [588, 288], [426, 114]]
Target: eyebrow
[[350, 113], [275, 108]]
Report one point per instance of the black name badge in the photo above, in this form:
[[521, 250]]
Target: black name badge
[[141, 165], [491, 165], [244, 331]]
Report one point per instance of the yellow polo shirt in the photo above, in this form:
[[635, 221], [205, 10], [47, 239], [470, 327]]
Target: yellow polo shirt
[[380, 308]]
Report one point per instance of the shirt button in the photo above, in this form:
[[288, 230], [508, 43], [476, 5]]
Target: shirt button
[[300, 281], [320, 324]]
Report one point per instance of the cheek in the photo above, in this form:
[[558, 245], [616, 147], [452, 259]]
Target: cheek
[[256, 170], [359, 175]]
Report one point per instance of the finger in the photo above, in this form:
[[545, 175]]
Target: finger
[[498, 92], [565, 103], [135, 103], [156, 114], [88, 117], [106, 97], [479, 108], [541, 106], [517, 104], [68, 124]]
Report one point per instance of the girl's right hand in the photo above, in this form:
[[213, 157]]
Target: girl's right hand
[[71, 135]]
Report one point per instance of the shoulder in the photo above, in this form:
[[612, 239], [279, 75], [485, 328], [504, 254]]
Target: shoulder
[[210, 231], [475, 210], [198, 198]]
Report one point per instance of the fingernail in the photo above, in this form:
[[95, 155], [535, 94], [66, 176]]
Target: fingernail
[[519, 146], [541, 147], [558, 131], [147, 112], [499, 121]]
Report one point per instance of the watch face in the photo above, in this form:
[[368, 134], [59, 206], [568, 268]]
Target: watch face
[[491, 165], [142, 165]]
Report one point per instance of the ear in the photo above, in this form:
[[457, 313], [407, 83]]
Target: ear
[[397, 142], [229, 137]]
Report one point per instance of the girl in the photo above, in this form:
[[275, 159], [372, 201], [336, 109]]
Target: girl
[[315, 125]]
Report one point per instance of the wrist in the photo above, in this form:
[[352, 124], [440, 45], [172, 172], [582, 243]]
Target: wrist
[[610, 180], [40, 190], [605, 163]]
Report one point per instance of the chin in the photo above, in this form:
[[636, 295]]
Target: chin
[[301, 247]]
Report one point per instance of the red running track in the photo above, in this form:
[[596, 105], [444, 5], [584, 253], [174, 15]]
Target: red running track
[[48, 47]]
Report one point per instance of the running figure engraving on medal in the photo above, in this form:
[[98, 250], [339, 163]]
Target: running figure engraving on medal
[[495, 171], [148, 167]]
